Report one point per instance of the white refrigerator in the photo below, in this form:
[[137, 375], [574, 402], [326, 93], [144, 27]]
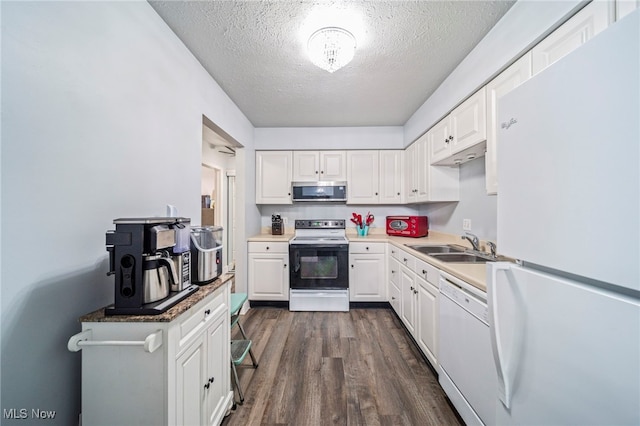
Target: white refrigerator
[[565, 320]]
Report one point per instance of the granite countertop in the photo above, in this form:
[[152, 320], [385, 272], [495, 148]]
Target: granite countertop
[[472, 273], [168, 316]]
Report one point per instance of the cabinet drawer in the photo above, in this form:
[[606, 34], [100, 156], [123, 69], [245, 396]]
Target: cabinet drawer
[[407, 260], [395, 252], [192, 325], [377, 248], [268, 247], [428, 272]]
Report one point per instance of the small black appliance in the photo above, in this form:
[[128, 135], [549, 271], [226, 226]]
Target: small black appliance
[[141, 256], [276, 225]]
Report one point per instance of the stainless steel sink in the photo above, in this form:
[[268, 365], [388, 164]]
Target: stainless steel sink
[[461, 258], [431, 249]]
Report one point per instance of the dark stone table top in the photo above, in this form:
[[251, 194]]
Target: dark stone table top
[[167, 316]]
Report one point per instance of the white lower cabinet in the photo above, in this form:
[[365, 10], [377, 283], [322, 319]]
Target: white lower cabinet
[[201, 381], [416, 282], [394, 283], [367, 276], [268, 274], [408, 297], [428, 293], [183, 379]]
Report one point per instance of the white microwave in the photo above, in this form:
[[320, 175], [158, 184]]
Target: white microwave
[[319, 191]]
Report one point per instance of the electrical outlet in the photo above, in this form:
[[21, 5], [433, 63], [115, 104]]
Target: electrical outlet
[[285, 220], [466, 224]]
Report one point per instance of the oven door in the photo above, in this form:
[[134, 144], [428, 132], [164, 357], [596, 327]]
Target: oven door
[[319, 266]]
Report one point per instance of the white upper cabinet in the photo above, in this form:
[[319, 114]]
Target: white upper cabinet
[[410, 180], [390, 186], [509, 79], [312, 166], [440, 138], [469, 122], [333, 165], [306, 166], [461, 135], [580, 28], [625, 7], [423, 182], [273, 177], [363, 170]]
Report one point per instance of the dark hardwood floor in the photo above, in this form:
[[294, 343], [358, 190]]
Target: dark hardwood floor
[[345, 368]]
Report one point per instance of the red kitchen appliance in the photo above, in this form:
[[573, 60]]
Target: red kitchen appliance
[[408, 226]]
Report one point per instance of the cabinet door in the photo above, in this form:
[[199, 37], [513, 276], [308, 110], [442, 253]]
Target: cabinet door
[[273, 177], [408, 299], [440, 139], [469, 122], [268, 276], [362, 177], [625, 7], [579, 29], [410, 179], [218, 368], [391, 177], [333, 166], [394, 282], [422, 169], [190, 374], [306, 166], [509, 79], [367, 278], [427, 324], [394, 271]]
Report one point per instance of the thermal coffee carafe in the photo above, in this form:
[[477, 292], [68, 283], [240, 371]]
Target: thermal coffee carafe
[[142, 253], [159, 274]]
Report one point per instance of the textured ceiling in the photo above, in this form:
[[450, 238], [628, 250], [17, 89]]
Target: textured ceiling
[[255, 50]]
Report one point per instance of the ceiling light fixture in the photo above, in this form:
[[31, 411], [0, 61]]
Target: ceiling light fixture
[[331, 48]]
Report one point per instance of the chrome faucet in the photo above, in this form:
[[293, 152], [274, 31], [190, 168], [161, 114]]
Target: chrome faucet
[[473, 239], [492, 246]]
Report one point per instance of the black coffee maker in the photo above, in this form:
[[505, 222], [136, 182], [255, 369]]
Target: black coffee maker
[[142, 254]]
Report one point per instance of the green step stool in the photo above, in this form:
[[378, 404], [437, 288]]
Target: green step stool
[[239, 348]]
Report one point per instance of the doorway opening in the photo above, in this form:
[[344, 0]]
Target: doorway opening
[[211, 196], [218, 192]]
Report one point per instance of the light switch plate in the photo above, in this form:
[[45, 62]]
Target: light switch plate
[[466, 224]]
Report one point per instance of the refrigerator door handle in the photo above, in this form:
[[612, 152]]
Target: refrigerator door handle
[[504, 388]]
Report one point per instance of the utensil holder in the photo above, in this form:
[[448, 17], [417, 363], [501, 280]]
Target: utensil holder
[[362, 232]]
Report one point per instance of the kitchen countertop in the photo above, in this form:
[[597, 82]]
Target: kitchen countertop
[[472, 273], [168, 316], [268, 238]]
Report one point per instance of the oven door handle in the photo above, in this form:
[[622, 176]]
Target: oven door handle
[[296, 266]]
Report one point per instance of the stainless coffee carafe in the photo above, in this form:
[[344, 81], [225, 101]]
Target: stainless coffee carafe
[[158, 277]]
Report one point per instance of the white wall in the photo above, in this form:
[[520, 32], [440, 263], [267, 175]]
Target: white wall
[[102, 111], [328, 138]]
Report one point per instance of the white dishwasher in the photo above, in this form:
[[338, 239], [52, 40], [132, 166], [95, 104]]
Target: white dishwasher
[[467, 372]]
